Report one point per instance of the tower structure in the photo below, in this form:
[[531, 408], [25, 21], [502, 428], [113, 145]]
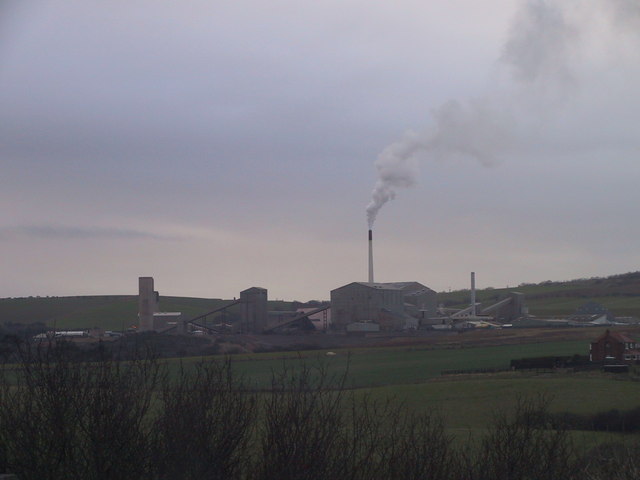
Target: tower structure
[[147, 303], [254, 306], [370, 256]]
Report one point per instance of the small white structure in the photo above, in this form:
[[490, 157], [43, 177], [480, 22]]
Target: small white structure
[[162, 320], [71, 333]]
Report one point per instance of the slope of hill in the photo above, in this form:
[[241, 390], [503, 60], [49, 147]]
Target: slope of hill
[[619, 293], [111, 312]]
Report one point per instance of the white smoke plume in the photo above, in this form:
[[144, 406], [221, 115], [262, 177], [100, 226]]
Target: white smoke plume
[[397, 167], [539, 55], [626, 13], [474, 129], [539, 45]]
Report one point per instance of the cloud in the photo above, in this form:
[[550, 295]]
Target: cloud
[[60, 232], [539, 46]]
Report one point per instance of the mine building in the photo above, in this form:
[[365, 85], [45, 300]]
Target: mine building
[[370, 306]]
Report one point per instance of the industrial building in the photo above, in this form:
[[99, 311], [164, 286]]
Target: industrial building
[[149, 318], [252, 301], [371, 306], [356, 307], [254, 308]]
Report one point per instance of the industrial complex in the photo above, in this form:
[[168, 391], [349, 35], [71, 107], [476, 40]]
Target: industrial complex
[[358, 307]]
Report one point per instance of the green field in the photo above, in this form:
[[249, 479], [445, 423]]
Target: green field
[[619, 293], [409, 377], [413, 376], [620, 305], [467, 403], [398, 365], [471, 402], [110, 312]]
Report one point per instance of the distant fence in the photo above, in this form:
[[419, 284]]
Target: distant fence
[[550, 363], [544, 364], [468, 371]]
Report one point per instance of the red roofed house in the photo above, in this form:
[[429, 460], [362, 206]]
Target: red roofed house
[[615, 347]]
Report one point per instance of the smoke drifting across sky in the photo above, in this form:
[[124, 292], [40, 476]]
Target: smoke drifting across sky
[[544, 46]]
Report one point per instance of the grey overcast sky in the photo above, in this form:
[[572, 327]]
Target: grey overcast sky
[[219, 145]]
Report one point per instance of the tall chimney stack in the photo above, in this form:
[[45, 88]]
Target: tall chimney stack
[[370, 256], [473, 294]]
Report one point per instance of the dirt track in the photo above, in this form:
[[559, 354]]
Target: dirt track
[[427, 338]]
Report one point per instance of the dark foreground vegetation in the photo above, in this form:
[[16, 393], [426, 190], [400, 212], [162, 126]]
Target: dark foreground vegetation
[[143, 419]]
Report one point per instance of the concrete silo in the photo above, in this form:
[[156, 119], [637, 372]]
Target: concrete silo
[[147, 303]]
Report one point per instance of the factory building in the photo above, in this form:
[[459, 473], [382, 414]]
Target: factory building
[[388, 306], [149, 318], [254, 307], [253, 318]]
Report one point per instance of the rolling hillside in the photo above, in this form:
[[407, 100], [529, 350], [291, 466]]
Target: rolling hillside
[[619, 293], [111, 312]]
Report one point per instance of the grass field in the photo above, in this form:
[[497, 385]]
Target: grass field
[[110, 312], [397, 365], [620, 305], [470, 402], [467, 403], [411, 376], [619, 293]]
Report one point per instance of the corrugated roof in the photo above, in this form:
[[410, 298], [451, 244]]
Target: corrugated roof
[[409, 288], [417, 286], [380, 286]]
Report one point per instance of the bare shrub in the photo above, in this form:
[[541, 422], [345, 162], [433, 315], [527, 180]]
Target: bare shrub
[[419, 449], [300, 423], [525, 446], [64, 419], [204, 424], [61, 418], [313, 429], [612, 461]]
